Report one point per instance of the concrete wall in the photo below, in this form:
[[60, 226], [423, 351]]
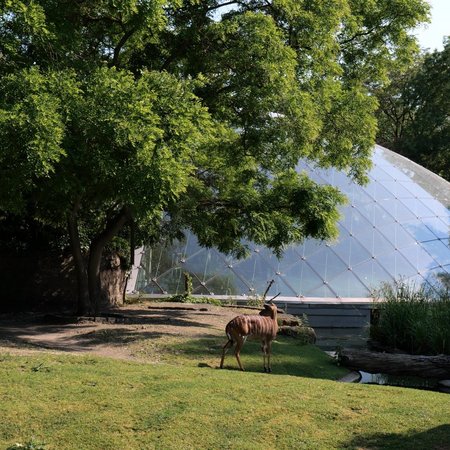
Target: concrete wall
[[331, 315]]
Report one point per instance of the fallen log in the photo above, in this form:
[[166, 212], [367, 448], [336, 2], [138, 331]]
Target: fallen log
[[396, 364]]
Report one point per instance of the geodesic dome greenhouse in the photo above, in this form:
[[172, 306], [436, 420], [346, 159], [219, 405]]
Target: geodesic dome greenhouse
[[397, 226]]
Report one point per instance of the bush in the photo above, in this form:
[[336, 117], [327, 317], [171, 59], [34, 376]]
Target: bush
[[412, 319]]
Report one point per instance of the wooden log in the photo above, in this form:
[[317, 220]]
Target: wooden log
[[396, 364]]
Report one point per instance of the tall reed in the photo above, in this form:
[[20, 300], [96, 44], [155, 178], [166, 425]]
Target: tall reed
[[412, 319]]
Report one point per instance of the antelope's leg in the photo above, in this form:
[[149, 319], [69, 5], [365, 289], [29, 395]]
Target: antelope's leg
[[237, 351], [269, 351], [264, 351], [224, 350]]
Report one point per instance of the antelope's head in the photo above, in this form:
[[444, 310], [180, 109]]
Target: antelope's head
[[270, 309]]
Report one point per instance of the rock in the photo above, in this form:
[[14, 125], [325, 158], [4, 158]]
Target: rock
[[288, 320], [306, 334], [352, 377]]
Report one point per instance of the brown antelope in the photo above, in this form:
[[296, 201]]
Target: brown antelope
[[263, 326]]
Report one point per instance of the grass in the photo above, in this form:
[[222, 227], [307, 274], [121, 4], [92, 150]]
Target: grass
[[289, 356], [80, 402]]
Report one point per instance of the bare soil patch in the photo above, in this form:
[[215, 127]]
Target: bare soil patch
[[115, 334]]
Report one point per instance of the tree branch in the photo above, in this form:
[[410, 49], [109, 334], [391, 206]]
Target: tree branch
[[119, 46]]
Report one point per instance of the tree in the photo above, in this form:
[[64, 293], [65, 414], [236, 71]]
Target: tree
[[164, 115], [414, 111]]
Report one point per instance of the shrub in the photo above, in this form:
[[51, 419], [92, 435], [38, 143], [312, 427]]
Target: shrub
[[412, 319]]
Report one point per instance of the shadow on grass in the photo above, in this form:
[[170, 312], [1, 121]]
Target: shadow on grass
[[437, 438], [289, 357]]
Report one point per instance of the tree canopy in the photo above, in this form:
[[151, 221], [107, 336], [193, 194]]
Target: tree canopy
[[189, 114], [415, 108]]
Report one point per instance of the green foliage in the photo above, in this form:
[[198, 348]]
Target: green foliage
[[413, 319], [414, 111], [31, 132], [173, 115], [182, 298]]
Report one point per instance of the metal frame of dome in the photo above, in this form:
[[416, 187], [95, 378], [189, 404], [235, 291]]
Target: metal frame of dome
[[397, 226]]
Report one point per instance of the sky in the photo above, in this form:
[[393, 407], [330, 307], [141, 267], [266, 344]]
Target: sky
[[431, 36]]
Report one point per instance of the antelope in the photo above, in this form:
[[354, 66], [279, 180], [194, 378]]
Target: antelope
[[262, 326]]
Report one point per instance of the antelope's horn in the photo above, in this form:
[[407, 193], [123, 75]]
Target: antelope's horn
[[273, 298]]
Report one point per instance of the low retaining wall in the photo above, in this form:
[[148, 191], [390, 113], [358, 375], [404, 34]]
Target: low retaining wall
[[321, 312]]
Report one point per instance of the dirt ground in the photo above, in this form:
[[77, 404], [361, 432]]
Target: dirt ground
[[114, 334]]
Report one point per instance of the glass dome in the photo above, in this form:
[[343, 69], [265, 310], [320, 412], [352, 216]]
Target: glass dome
[[397, 226]]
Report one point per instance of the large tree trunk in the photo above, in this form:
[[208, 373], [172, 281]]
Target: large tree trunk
[[80, 266], [113, 279], [95, 258], [397, 364]]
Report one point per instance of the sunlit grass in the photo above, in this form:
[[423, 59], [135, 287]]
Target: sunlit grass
[[82, 402]]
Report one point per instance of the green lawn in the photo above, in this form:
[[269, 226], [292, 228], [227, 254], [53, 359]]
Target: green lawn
[[79, 402]]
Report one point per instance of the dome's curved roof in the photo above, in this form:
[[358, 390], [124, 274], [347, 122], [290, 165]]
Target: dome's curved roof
[[397, 226]]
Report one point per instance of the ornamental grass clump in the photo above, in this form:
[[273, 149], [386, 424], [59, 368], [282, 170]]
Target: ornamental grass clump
[[415, 320]]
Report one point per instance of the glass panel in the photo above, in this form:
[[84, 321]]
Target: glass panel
[[438, 250], [302, 279], [420, 231], [380, 216], [380, 245], [378, 192], [439, 278], [340, 180], [204, 264], [347, 285], [396, 264], [398, 189], [385, 159], [416, 190], [417, 281], [372, 274], [345, 221], [418, 207], [381, 174], [254, 272], [309, 247], [227, 283], [437, 207], [439, 227], [290, 257], [269, 258], [199, 288], [397, 235], [358, 196], [418, 258], [323, 291], [327, 264], [282, 286], [355, 222], [351, 251], [399, 211], [171, 281]]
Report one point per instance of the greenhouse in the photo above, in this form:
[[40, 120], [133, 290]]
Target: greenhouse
[[397, 226]]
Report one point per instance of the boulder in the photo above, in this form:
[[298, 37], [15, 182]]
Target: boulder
[[306, 334]]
